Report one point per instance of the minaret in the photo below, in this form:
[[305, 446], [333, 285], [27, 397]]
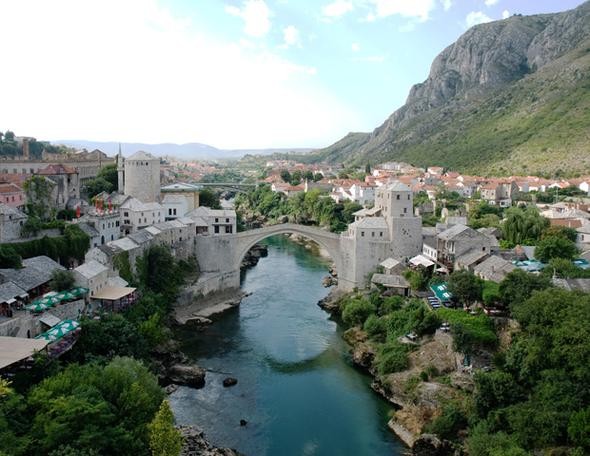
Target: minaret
[[121, 171]]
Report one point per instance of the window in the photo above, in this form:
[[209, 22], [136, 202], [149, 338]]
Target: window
[[408, 197], [174, 211], [405, 210], [216, 229], [117, 223], [372, 234], [228, 229], [381, 234], [216, 220], [362, 234], [226, 220], [397, 197], [169, 211], [125, 214]]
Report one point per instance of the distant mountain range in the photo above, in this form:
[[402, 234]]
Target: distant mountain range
[[188, 151], [510, 96]]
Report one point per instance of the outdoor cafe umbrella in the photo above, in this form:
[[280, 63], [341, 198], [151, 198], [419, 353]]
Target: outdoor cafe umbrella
[[37, 307], [65, 296], [58, 331], [79, 291], [49, 301]]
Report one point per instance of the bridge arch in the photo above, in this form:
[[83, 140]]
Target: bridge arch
[[329, 241]]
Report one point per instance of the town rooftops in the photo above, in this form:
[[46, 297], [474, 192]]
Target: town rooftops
[[133, 204], [389, 263], [573, 284], [141, 155], [452, 232], [397, 186], [125, 244], [52, 170], [203, 211], [9, 187], [142, 236], [15, 349], [390, 281], [35, 272], [91, 269], [5, 209], [371, 222], [89, 230], [9, 291], [494, 268]]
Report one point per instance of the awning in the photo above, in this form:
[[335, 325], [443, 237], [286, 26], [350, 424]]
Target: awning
[[11, 301], [49, 319], [113, 293], [421, 260], [58, 331], [15, 349]]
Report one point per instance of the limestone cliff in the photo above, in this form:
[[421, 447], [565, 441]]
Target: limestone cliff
[[494, 81]]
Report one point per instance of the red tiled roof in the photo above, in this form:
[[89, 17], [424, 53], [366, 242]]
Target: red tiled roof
[[9, 188], [52, 170]]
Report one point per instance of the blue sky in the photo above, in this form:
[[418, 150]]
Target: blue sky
[[233, 73]]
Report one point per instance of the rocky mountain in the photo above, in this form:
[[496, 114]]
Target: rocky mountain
[[508, 96]]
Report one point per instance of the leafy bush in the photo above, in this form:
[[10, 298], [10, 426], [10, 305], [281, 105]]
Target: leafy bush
[[357, 311], [469, 331], [449, 423], [376, 327], [391, 357]]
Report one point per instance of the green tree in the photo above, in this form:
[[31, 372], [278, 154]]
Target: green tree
[[519, 285], [286, 176], [357, 311], [109, 174], [209, 199], [465, 287], [523, 226], [555, 247], [165, 439], [38, 192], [98, 185], [579, 428], [62, 280], [158, 271]]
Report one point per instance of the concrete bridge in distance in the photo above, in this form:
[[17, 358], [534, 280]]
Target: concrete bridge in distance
[[223, 255], [235, 186]]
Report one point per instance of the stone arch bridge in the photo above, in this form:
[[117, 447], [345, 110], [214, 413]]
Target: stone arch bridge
[[220, 257]]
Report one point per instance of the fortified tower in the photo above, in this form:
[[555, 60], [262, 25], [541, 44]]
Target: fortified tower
[[396, 202], [142, 177]]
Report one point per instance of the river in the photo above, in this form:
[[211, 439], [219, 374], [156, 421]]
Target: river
[[296, 386]]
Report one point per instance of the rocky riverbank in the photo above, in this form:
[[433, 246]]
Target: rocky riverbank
[[253, 256], [416, 395], [201, 310], [196, 444]]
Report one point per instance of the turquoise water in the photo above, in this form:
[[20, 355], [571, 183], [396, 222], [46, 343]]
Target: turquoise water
[[296, 387]]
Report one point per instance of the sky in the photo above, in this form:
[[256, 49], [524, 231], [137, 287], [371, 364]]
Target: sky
[[228, 73]]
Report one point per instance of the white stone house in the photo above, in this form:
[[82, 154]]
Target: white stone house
[[457, 241], [219, 221], [92, 275], [11, 223], [136, 215]]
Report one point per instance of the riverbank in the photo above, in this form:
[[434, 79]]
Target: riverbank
[[418, 392]]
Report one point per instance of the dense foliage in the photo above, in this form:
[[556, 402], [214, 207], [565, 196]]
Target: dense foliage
[[101, 398], [72, 245], [523, 226], [311, 208], [105, 181]]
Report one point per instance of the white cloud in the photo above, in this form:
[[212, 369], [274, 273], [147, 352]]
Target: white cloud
[[155, 78], [355, 47], [417, 9], [291, 36], [256, 16], [490, 2], [476, 17], [447, 4], [337, 8], [505, 14]]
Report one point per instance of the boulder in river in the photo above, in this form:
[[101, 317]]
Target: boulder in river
[[195, 444], [230, 381], [186, 374]]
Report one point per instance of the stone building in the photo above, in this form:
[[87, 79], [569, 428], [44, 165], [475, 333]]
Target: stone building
[[12, 195], [219, 221], [142, 177], [136, 214], [179, 199], [389, 230], [66, 188], [11, 223]]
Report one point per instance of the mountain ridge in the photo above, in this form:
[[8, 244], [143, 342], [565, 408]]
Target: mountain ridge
[[187, 151], [442, 121]]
